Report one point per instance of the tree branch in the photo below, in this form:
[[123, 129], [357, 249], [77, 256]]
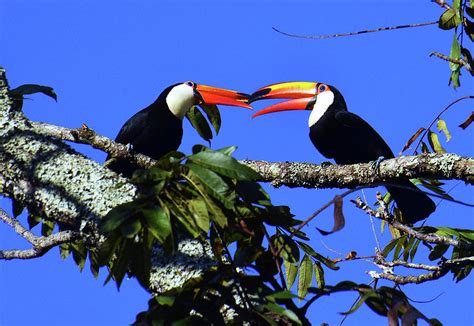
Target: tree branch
[[436, 271], [432, 238], [307, 175], [41, 245], [459, 61], [381, 29]]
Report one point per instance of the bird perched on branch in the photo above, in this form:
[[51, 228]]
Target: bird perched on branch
[[158, 129], [343, 136]]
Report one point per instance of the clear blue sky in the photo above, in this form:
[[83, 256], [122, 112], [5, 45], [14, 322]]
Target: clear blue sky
[[106, 61]]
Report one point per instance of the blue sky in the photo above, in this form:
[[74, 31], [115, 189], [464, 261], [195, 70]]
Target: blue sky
[[106, 61]]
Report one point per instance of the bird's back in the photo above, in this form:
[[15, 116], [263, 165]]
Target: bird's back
[[153, 131]]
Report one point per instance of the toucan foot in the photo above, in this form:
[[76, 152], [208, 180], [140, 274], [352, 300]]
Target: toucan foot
[[130, 149], [376, 164], [325, 164]]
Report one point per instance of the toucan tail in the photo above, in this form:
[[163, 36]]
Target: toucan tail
[[414, 204]]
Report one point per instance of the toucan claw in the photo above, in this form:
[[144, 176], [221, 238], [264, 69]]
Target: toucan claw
[[376, 164]]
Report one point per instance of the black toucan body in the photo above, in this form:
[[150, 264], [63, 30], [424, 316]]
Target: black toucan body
[[343, 136], [158, 129]]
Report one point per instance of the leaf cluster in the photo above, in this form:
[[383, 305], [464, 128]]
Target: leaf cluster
[[405, 247], [457, 18]]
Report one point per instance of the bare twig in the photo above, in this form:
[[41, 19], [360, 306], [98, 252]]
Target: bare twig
[[381, 29], [442, 3], [432, 238], [459, 61], [438, 116], [408, 279], [436, 271], [41, 245]]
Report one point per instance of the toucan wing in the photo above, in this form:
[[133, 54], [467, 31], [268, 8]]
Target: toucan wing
[[132, 129], [362, 136]]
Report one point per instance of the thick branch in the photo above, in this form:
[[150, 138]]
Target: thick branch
[[291, 174], [307, 175]]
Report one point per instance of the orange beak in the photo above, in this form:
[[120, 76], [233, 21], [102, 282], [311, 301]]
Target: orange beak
[[302, 93], [213, 95]]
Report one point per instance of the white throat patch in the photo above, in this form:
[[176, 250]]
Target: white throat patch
[[180, 99], [323, 102]]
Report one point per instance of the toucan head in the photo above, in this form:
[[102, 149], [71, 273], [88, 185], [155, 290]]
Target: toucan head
[[181, 97], [317, 97]]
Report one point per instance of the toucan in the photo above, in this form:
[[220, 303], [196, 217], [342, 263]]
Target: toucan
[[158, 128], [343, 136]]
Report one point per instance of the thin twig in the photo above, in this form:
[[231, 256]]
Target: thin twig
[[436, 271], [381, 29], [442, 3], [438, 116], [432, 238], [459, 61]]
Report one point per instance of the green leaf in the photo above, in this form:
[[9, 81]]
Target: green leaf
[[310, 251], [291, 270], [305, 276], [285, 294], [165, 300], [253, 192], [182, 215], [17, 208], [120, 265], [455, 53], [454, 79], [400, 245], [470, 11], [151, 176], [407, 247], [319, 272], [201, 216], [157, 221], [199, 123], [212, 184], [47, 228], [441, 124], [116, 217], [276, 308], [449, 20], [224, 165], [290, 251], [469, 30], [33, 220], [279, 216], [424, 148], [130, 228], [388, 248], [64, 250], [434, 143], [227, 150], [360, 301], [213, 115], [438, 251], [32, 89], [79, 254], [414, 249]]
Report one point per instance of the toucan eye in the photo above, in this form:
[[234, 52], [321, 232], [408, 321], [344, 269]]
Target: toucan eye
[[190, 83], [322, 88]]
